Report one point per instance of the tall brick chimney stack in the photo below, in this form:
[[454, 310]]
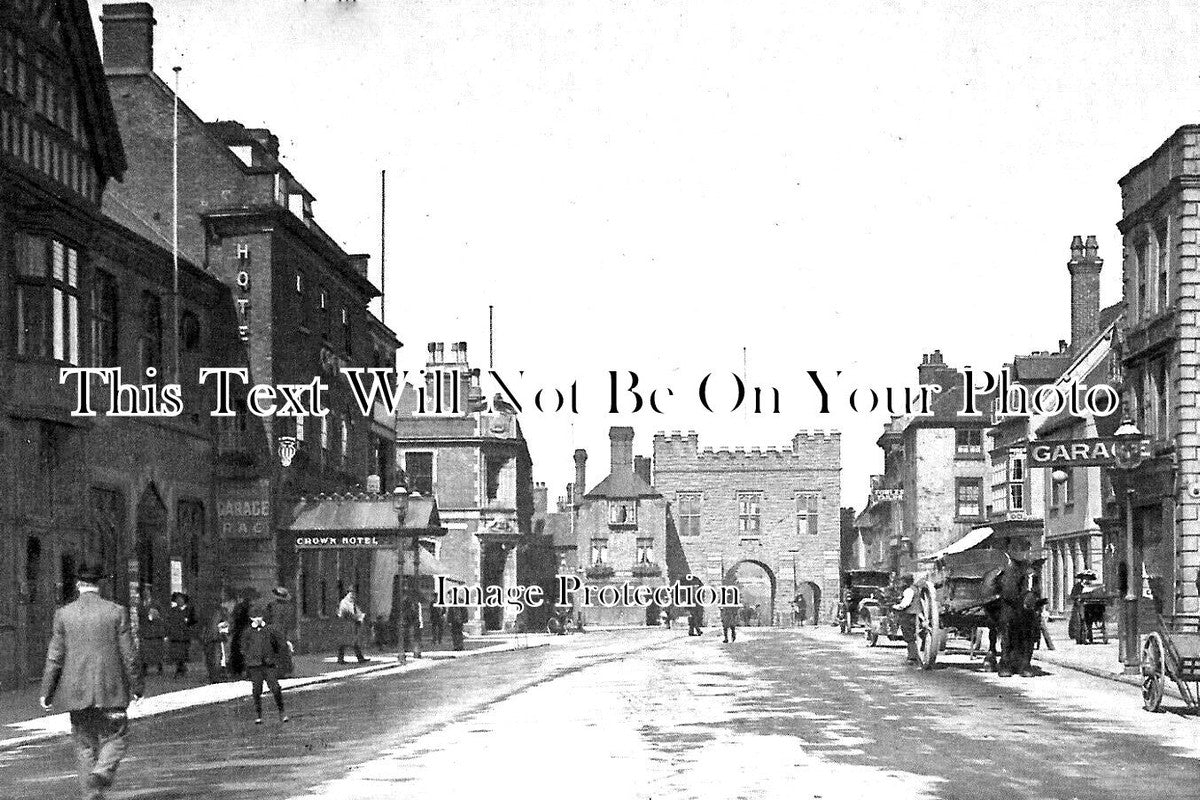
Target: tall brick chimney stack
[[128, 30], [580, 476], [933, 367], [1084, 266], [541, 498], [621, 440]]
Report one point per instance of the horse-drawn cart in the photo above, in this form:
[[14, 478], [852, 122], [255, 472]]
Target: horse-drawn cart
[[952, 599]]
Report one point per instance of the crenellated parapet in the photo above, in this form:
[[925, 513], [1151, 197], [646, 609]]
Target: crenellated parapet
[[806, 447]]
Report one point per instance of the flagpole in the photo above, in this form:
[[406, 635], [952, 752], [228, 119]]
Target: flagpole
[[175, 225]]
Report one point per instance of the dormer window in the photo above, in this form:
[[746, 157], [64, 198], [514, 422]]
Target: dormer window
[[622, 513], [244, 152]]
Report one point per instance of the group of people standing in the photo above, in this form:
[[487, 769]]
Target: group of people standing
[[166, 636], [413, 619]]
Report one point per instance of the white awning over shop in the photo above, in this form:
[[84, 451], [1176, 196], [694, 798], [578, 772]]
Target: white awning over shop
[[975, 537]]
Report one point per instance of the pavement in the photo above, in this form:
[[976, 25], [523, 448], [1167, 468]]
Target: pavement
[[784, 712], [23, 722]]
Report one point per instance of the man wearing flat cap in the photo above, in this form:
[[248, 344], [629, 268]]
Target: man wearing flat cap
[[92, 673]]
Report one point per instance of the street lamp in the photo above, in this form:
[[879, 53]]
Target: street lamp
[[1128, 457], [400, 504]]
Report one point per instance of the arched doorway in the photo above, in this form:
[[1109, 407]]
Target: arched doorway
[[152, 545], [811, 593], [756, 584]]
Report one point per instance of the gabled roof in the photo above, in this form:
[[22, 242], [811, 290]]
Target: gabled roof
[[93, 88], [1093, 357], [623, 485]]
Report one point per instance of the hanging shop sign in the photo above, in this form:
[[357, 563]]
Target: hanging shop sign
[[1108, 452]]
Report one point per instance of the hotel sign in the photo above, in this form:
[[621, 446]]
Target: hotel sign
[[326, 541], [1110, 452]]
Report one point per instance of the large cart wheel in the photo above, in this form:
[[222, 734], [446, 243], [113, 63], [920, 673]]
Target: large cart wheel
[[1154, 672], [929, 633]]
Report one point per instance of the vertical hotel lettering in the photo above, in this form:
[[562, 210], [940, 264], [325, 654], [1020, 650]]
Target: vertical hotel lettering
[[243, 299]]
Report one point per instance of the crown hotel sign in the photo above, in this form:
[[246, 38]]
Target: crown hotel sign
[[1109, 452]]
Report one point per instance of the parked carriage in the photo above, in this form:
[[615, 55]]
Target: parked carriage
[[865, 591]]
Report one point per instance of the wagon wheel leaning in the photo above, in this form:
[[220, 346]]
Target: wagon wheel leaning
[[929, 633], [1154, 676]]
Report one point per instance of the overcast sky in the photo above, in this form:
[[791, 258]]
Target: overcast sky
[[656, 185]]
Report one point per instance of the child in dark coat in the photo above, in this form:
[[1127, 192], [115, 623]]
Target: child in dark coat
[[261, 646]]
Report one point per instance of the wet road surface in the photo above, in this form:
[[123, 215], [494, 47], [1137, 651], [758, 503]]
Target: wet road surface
[[652, 714]]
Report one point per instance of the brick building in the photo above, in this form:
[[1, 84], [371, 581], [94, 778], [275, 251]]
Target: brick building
[[300, 303], [476, 463], [940, 465], [777, 509], [1160, 567], [134, 494]]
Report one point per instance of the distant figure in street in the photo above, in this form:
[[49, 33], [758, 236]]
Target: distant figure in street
[[151, 633], [181, 619], [908, 621], [351, 619], [729, 623], [456, 618], [92, 672], [238, 623], [696, 620], [437, 622], [801, 608], [281, 615], [216, 644], [412, 619], [261, 647], [756, 615]]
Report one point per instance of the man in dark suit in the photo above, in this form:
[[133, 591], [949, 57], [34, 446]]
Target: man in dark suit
[[92, 672]]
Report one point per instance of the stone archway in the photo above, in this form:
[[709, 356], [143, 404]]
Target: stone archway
[[752, 591]]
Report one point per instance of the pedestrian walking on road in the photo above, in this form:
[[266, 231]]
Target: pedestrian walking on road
[[696, 621], [261, 646], [281, 615], [92, 672], [908, 620], [801, 609], [350, 617], [181, 619], [729, 622]]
